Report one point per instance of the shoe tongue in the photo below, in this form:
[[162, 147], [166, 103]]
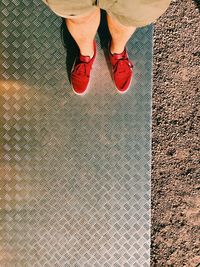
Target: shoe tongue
[[85, 58]]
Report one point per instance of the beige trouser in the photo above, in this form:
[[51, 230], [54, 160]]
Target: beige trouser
[[136, 13]]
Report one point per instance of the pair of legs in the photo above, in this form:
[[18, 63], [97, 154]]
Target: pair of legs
[[84, 29]]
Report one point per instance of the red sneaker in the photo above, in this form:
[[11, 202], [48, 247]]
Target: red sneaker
[[121, 70], [80, 74]]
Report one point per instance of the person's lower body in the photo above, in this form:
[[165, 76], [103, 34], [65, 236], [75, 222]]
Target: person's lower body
[[123, 18], [83, 30]]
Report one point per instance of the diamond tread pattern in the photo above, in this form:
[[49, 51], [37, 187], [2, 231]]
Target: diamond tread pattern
[[75, 170]]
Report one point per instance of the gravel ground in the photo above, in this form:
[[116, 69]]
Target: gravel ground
[[175, 137]]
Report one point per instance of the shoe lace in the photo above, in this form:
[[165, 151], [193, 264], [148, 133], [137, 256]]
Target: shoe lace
[[122, 65], [81, 70]]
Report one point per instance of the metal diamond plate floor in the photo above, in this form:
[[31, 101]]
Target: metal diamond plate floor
[[75, 170]]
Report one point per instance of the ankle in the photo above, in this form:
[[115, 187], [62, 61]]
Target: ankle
[[87, 51], [116, 49], [90, 54]]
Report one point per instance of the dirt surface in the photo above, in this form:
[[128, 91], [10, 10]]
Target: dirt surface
[[175, 137]]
